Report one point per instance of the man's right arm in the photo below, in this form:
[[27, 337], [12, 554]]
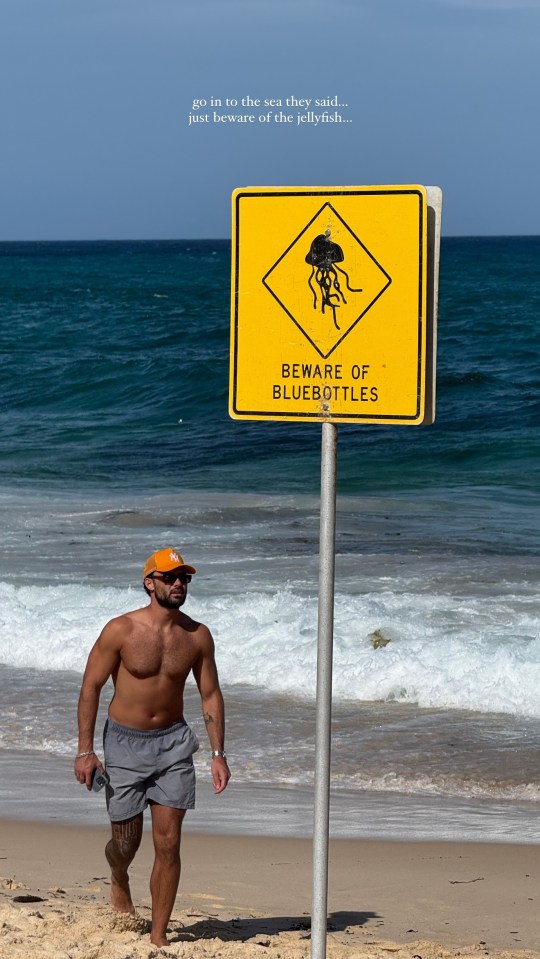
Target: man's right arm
[[103, 659]]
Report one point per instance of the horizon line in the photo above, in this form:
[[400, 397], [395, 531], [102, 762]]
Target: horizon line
[[221, 239]]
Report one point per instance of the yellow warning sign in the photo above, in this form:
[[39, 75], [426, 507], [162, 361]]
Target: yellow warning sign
[[329, 304]]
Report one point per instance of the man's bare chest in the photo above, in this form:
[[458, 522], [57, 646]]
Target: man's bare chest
[[155, 655]]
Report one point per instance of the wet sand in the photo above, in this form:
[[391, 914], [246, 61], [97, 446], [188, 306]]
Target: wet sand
[[244, 896]]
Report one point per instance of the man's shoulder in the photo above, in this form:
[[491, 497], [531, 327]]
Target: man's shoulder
[[197, 630], [203, 639], [124, 624]]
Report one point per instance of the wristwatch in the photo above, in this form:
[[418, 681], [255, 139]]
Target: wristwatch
[[218, 752]]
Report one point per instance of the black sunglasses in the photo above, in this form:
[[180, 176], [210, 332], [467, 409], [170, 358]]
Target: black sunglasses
[[170, 578]]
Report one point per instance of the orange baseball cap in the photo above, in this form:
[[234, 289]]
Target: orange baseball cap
[[165, 560]]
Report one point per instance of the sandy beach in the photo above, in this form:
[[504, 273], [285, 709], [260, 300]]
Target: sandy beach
[[247, 896]]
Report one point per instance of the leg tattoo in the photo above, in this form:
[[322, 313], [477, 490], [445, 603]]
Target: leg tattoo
[[120, 852]]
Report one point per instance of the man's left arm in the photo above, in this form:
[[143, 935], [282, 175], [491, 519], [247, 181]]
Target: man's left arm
[[213, 708]]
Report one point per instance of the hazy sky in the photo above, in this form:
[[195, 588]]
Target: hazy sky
[[96, 98]]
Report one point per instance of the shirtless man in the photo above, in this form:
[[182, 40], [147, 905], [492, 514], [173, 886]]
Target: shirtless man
[[148, 746]]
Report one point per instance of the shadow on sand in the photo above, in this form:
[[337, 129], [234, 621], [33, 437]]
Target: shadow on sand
[[240, 930]]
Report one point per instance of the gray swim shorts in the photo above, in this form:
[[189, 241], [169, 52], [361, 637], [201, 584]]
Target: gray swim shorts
[[148, 765]]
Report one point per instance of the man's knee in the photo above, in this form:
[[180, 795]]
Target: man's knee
[[167, 831], [125, 839], [167, 843]]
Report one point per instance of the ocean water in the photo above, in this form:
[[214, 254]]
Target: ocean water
[[115, 440]]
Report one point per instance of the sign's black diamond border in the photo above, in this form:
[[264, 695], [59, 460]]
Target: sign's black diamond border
[[363, 313]]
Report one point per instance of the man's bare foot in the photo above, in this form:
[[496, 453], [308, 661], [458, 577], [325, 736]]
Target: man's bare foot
[[157, 939], [121, 896]]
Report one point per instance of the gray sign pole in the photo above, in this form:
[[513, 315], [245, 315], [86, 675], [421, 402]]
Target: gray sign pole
[[249, 408], [325, 640]]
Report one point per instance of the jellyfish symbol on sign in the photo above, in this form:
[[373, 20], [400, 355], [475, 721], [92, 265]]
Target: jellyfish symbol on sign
[[322, 257]]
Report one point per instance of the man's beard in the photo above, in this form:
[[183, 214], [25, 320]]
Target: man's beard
[[167, 602]]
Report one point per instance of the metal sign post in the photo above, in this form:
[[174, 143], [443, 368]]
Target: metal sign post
[[333, 320], [325, 640]]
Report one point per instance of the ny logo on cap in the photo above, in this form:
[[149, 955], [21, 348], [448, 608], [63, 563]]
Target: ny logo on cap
[[174, 557]]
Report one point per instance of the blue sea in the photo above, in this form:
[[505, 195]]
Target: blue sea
[[115, 440]]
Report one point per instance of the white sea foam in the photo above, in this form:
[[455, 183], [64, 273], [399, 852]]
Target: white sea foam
[[54, 627], [433, 650], [441, 786]]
